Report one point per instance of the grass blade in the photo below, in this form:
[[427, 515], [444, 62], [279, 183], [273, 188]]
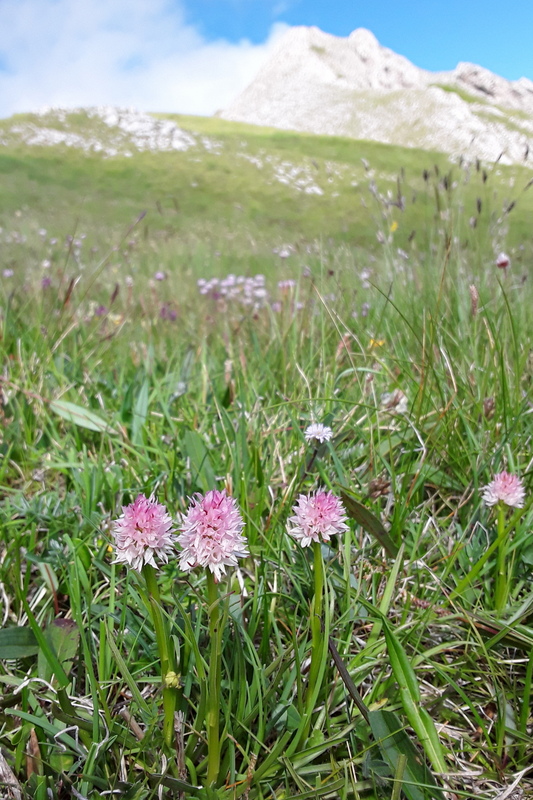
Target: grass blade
[[394, 744], [418, 717], [80, 416]]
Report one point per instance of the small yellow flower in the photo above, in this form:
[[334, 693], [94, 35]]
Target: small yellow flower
[[377, 342], [394, 226]]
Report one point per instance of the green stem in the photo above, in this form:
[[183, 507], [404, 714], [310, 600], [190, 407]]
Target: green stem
[[316, 609], [316, 668], [166, 655], [213, 700], [501, 589]]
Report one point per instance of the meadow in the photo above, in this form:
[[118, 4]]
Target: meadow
[[173, 324]]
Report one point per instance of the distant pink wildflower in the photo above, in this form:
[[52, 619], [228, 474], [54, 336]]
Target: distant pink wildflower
[[503, 261], [143, 532], [317, 517], [504, 488], [212, 534], [319, 432]]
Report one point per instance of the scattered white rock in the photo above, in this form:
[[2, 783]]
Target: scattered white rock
[[298, 176], [127, 129]]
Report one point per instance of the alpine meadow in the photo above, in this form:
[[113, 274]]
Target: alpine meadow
[[265, 455]]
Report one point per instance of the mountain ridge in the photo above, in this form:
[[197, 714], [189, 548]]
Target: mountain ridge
[[315, 82]]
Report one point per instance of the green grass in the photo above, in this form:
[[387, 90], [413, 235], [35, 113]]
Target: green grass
[[464, 95], [224, 197], [430, 691]]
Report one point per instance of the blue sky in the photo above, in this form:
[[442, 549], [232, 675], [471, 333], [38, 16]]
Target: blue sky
[[194, 56], [433, 34]]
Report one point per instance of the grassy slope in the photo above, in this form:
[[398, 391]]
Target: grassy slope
[[197, 193]]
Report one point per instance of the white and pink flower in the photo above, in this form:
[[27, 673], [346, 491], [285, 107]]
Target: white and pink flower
[[319, 432], [504, 488], [317, 517], [211, 534], [142, 533]]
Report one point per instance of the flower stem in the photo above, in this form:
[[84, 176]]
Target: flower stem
[[316, 617], [501, 589], [319, 639], [166, 655], [213, 700]]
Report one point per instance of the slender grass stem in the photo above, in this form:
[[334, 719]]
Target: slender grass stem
[[316, 610]]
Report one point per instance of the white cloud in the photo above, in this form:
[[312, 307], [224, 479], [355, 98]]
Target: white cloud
[[138, 53]]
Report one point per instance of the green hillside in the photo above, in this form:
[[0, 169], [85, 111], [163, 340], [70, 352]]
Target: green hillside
[[245, 189]]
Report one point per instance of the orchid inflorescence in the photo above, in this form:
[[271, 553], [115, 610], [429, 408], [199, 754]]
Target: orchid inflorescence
[[504, 488], [317, 517], [211, 532]]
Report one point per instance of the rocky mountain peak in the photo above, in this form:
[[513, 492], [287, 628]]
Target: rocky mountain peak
[[356, 87], [364, 42]]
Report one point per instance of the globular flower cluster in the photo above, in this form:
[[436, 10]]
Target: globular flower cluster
[[287, 285], [317, 517], [504, 488], [142, 532], [319, 432], [211, 534], [248, 291]]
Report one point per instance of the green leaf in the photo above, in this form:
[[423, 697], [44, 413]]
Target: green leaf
[[126, 674], [418, 717], [54, 733], [202, 470], [48, 651], [140, 412], [369, 522], [63, 637], [18, 643], [80, 416], [418, 782], [527, 554]]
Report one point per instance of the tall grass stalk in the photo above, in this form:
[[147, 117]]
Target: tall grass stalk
[[319, 639]]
